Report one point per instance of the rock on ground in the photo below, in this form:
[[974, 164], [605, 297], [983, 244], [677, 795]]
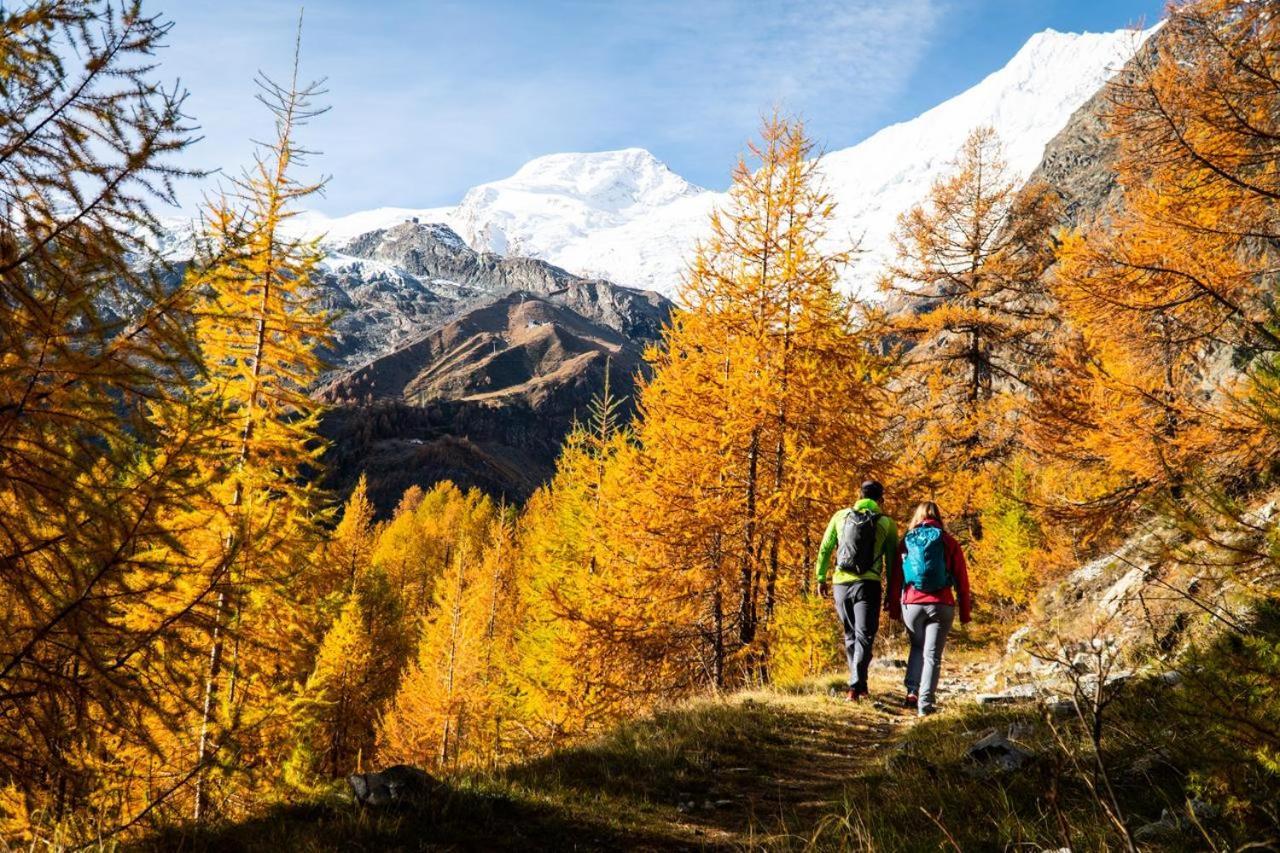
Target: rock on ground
[[397, 785]]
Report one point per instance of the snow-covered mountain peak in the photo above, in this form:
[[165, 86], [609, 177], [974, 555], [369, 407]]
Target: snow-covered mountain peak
[[625, 216], [1027, 102], [1051, 49], [553, 201], [607, 179]]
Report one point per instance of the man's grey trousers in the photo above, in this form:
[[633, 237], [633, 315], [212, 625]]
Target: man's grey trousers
[[928, 626], [858, 606]]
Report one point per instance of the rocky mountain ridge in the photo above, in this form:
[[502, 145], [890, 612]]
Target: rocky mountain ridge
[[388, 286]]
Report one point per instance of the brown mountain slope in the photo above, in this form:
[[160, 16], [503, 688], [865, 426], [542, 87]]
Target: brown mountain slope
[[484, 400]]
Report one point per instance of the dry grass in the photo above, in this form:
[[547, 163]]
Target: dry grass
[[801, 770]]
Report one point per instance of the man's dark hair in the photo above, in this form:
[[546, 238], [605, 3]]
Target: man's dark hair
[[873, 490]]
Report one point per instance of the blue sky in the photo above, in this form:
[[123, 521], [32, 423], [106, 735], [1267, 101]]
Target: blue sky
[[430, 97]]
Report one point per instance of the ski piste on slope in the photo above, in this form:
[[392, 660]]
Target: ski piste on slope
[[623, 215]]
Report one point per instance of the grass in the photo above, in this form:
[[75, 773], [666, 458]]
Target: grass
[[929, 796], [800, 770], [1214, 736], [732, 773]]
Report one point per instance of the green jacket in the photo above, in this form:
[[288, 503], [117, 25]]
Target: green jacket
[[886, 545]]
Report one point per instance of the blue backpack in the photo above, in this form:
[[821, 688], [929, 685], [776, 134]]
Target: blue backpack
[[925, 566]]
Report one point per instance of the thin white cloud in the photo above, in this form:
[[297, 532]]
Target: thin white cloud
[[842, 58], [432, 97]]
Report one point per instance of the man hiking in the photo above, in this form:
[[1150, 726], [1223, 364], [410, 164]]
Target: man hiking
[[865, 542]]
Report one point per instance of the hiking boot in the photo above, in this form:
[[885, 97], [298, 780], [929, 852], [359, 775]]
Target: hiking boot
[[852, 695], [912, 701]]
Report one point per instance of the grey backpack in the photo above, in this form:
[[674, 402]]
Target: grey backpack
[[857, 551]]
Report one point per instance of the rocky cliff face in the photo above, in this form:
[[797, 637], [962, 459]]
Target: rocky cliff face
[[1135, 609], [521, 345], [1079, 162]]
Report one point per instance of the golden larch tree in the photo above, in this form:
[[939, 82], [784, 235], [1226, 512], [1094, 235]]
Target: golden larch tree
[[1178, 284], [969, 268], [765, 408], [356, 673], [447, 712], [259, 331], [600, 633]]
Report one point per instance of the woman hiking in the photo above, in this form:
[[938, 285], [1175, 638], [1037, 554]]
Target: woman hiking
[[923, 583]]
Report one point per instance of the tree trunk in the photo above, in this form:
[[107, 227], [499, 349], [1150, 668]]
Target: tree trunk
[[746, 609], [717, 621], [1170, 426], [771, 582], [206, 714]]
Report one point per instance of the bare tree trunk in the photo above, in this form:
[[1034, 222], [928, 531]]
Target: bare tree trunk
[[771, 582], [717, 617], [206, 714], [1170, 425], [455, 630], [444, 741], [746, 610], [975, 367]]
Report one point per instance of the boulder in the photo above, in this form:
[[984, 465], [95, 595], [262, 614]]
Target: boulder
[[995, 753], [1016, 640], [400, 784], [1020, 731], [1164, 829], [1120, 592], [1148, 762]]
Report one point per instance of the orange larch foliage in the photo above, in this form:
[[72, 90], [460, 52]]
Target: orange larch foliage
[[1178, 286], [99, 435], [357, 671], [448, 711], [258, 331], [417, 546], [600, 634], [976, 331]]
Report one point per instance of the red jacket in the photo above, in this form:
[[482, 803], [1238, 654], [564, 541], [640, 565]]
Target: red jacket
[[956, 564]]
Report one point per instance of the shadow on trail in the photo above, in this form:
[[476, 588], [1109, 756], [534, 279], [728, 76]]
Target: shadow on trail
[[458, 819], [741, 767]]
